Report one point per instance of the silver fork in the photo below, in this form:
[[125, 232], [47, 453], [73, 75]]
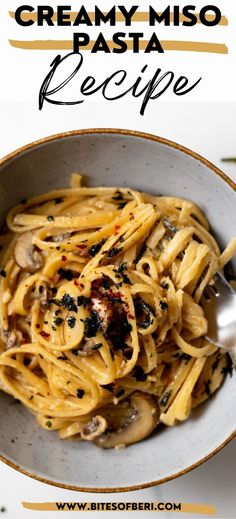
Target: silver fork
[[219, 305]]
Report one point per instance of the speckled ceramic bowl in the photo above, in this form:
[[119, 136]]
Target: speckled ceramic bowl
[[149, 163]]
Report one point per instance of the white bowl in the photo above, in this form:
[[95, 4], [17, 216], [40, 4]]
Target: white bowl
[[152, 164]]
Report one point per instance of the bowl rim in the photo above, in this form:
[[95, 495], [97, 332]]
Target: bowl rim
[[148, 136]]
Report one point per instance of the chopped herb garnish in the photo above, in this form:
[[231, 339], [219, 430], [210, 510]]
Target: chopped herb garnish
[[95, 248], [163, 305], [82, 301], [48, 424], [144, 311], [68, 302], [113, 252], [165, 398], [121, 269], [92, 324], [139, 374], [3, 273], [106, 283], [50, 218], [71, 322], [80, 393], [58, 321]]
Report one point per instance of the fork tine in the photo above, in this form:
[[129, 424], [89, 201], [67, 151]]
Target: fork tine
[[220, 282]]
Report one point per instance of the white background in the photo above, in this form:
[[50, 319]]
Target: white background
[[195, 121]]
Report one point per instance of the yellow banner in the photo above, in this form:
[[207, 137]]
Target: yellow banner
[[191, 508]]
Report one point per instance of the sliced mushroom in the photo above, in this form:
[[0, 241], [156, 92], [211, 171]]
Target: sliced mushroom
[[87, 347], [25, 254], [45, 296], [94, 428], [11, 338], [141, 418]]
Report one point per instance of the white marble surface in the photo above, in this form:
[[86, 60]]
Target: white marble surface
[[209, 129]]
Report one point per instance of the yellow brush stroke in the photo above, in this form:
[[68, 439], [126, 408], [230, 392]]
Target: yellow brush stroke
[[186, 46], [137, 17], [191, 508]]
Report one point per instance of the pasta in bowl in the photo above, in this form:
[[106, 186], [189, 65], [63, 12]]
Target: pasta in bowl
[[121, 382], [102, 329]]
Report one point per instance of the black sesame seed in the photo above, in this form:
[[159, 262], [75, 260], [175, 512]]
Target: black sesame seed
[[82, 301], [80, 393], [71, 322], [58, 321], [95, 248], [68, 302], [113, 252]]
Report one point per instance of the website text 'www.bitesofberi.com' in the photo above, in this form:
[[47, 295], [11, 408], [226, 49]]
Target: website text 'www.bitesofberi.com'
[[122, 507]]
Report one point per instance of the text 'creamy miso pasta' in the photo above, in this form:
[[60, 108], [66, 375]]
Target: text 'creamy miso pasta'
[[102, 329]]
